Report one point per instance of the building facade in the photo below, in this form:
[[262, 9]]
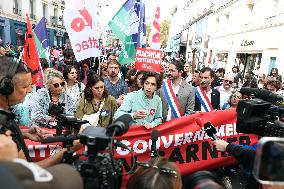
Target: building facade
[[227, 33], [248, 34], [13, 20]]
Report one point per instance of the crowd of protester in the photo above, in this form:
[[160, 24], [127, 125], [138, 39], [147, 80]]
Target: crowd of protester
[[102, 90]]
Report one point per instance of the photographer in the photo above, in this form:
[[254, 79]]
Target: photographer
[[54, 97], [244, 155], [15, 83], [17, 173]]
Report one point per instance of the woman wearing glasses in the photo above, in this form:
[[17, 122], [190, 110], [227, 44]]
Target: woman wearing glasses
[[52, 94], [96, 105], [74, 87], [234, 99]]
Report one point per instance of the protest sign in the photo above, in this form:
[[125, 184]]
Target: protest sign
[[148, 59]]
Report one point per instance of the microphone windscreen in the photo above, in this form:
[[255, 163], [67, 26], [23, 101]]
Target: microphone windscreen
[[154, 135], [126, 119]]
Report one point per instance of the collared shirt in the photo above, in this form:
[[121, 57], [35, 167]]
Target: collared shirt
[[208, 94], [137, 101], [224, 96], [175, 89], [117, 89], [75, 92]]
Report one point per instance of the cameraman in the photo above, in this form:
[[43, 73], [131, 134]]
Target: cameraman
[[244, 155], [15, 83], [17, 173]]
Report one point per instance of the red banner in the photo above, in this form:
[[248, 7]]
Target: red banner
[[181, 141], [148, 59]]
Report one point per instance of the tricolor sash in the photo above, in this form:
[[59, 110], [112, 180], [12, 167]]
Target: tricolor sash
[[205, 103], [171, 98]]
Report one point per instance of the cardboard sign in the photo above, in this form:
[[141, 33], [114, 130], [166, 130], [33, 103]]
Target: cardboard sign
[[148, 59]]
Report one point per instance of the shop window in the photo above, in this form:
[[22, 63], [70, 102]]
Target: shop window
[[20, 37]]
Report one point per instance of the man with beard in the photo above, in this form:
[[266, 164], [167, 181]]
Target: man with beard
[[183, 92], [115, 86], [225, 90], [206, 98]]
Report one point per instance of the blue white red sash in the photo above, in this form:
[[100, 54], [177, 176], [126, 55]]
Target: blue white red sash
[[171, 98], [205, 103]]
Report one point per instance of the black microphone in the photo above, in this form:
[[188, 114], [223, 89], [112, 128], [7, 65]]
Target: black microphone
[[120, 125], [210, 130], [60, 139], [262, 94], [154, 138]]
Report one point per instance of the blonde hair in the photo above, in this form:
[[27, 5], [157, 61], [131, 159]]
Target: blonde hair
[[51, 73]]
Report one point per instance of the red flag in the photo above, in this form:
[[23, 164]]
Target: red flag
[[31, 55], [210, 57]]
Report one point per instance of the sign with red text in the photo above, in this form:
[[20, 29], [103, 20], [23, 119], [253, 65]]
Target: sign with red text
[[80, 21], [148, 59]]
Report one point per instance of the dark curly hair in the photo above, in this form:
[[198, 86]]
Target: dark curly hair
[[152, 74], [67, 70], [92, 80]]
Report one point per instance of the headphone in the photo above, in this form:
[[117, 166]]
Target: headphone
[[6, 84]]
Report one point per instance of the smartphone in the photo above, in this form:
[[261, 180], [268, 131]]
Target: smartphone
[[269, 161]]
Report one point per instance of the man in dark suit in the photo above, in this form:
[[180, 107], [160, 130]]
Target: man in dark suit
[[206, 78], [184, 92]]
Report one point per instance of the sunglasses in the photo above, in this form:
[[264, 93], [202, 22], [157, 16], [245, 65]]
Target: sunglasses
[[162, 170], [227, 81], [56, 85], [73, 72]]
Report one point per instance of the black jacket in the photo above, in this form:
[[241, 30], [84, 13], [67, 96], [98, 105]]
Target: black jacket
[[215, 101]]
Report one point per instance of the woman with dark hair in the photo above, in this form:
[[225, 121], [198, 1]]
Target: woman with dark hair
[[136, 84], [74, 88], [96, 102], [274, 73], [144, 105], [157, 173]]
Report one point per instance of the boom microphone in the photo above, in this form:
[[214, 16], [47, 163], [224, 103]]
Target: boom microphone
[[154, 138], [262, 94], [120, 125]]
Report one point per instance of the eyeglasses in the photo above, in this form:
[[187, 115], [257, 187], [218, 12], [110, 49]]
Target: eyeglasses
[[236, 96], [73, 72], [227, 81], [56, 85], [162, 170]]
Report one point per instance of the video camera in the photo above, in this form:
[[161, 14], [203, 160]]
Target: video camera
[[261, 115], [100, 170], [64, 122]]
